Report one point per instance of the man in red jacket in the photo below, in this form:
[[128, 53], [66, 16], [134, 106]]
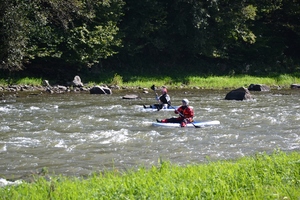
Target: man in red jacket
[[186, 115]]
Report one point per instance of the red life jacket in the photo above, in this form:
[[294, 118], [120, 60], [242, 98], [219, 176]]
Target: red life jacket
[[186, 112]]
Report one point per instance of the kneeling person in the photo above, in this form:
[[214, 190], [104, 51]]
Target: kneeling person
[[163, 99], [186, 115]]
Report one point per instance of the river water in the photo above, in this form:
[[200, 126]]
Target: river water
[[76, 134]]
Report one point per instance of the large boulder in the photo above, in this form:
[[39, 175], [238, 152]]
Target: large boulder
[[240, 94], [107, 90], [46, 83], [100, 90], [77, 82], [258, 87]]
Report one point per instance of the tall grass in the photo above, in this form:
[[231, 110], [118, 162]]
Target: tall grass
[[275, 176], [214, 82], [21, 81], [231, 82], [209, 82], [29, 81]]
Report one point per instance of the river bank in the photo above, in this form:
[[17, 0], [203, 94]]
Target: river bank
[[117, 82], [261, 176]]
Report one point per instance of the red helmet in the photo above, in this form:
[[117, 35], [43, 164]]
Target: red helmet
[[164, 90]]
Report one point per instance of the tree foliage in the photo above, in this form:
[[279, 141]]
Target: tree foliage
[[247, 36], [74, 30], [95, 37]]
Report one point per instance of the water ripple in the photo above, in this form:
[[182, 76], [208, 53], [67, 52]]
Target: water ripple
[[75, 134]]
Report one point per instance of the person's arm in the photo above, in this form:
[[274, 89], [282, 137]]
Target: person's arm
[[179, 111], [157, 97], [168, 99]]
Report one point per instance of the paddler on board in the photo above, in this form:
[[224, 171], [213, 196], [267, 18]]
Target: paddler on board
[[186, 115], [164, 100]]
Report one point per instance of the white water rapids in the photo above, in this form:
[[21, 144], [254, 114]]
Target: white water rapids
[[77, 134]]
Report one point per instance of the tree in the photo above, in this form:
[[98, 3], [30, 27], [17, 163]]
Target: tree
[[14, 35], [278, 30], [143, 26], [96, 37], [22, 20], [64, 29], [185, 29]]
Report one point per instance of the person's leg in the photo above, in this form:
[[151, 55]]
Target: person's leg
[[183, 123], [155, 106], [172, 120], [159, 106]]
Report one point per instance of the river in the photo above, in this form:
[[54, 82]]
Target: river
[[76, 134]]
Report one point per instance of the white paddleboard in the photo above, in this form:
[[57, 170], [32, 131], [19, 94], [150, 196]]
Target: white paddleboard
[[163, 109], [190, 125]]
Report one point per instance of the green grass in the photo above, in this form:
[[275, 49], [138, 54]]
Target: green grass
[[30, 81], [21, 81], [213, 82], [209, 82], [226, 81], [262, 176]]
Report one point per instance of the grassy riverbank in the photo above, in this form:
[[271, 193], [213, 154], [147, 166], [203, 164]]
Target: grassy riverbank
[[209, 82], [215, 82], [262, 176]]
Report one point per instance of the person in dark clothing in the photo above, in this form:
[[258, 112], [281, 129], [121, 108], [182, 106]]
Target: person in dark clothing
[[164, 100], [186, 115]]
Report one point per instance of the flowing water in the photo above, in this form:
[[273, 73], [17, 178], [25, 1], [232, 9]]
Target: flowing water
[[77, 134]]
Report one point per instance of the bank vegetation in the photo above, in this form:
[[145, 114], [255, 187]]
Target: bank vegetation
[[261, 176]]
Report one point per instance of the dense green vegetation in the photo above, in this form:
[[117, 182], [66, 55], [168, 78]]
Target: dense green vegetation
[[262, 176], [210, 82], [55, 39], [186, 82]]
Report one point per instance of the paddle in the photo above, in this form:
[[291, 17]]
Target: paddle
[[156, 95], [183, 116], [153, 88]]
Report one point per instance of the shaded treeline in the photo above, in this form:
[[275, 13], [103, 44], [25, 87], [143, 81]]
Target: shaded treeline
[[50, 38]]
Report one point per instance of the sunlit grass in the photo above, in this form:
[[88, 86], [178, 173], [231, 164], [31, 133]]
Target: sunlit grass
[[30, 81], [3, 82], [209, 82], [149, 82], [262, 176], [214, 82], [230, 82], [22, 81]]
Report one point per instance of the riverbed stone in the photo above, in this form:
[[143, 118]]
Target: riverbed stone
[[77, 82], [131, 96], [240, 94], [258, 87], [46, 83], [100, 90], [107, 90], [295, 86]]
